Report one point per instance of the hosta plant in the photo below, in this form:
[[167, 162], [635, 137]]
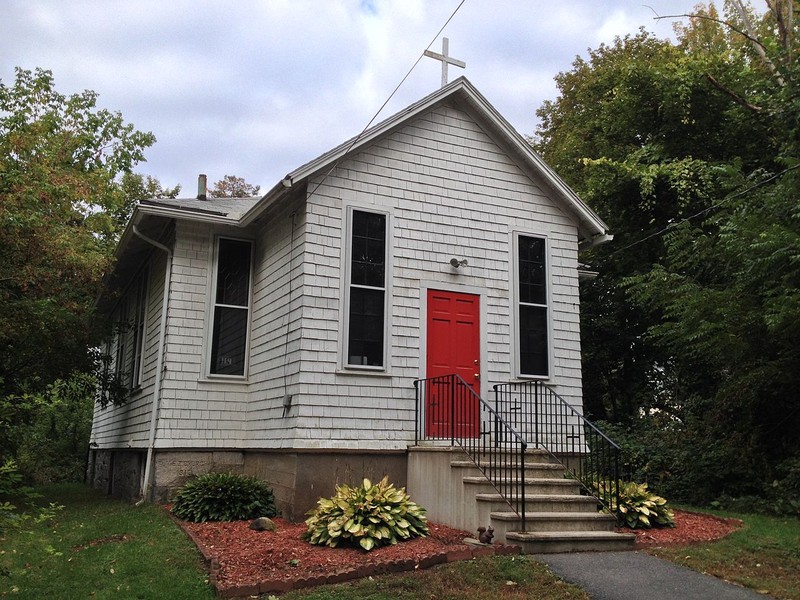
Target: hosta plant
[[224, 497], [369, 516], [638, 508]]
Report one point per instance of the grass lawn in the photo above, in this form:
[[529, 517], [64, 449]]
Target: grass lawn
[[517, 577], [98, 548], [763, 555], [101, 548]]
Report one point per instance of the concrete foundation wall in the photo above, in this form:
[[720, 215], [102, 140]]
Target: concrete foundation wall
[[439, 488], [116, 472], [298, 479]]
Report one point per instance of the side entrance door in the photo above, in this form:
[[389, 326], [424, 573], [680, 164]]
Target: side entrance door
[[453, 347]]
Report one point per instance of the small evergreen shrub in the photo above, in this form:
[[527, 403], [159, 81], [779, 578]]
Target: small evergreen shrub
[[368, 516], [639, 508], [224, 497]]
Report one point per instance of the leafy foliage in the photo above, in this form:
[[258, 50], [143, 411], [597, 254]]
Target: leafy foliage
[[224, 497], [18, 502], [59, 156], [61, 213], [638, 507], [231, 186], [52, 447], [690, 152], [368, 516]]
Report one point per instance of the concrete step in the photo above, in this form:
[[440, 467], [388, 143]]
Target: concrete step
[[533, 485], [542, 502], [571, 541], [532, 469], [557, 521]]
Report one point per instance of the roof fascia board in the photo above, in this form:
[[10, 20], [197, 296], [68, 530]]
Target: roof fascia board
[[183, 214]]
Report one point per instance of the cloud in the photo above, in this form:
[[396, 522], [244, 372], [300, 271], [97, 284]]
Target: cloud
[[256, 88]]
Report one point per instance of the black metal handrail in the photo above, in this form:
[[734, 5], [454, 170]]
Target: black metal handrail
[[449, 409], [548, 422]]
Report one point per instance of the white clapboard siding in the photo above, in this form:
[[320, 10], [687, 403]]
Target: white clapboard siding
[[128, 425], [451, 191]]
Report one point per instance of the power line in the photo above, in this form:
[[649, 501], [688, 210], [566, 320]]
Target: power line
[[726, 199], [375, 116]]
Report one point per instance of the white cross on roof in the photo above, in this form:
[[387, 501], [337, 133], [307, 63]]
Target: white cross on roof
[[446, 60]]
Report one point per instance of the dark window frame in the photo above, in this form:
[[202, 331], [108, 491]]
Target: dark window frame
[[367, 290], [533, 319], [230, 312]]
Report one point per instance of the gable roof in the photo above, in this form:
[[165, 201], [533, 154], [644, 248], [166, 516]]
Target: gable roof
[[242, 212], [466, 96]]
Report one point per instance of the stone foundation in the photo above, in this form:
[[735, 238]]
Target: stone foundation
[[116, 472], [298, 479]]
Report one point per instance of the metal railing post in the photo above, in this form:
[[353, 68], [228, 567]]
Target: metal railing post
[[417, 413]]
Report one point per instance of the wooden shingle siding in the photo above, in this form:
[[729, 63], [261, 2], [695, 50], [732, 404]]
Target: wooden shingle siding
[[128, 425], [451, 191], [186, 418]]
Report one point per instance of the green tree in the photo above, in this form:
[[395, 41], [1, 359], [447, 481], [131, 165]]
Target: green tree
[[136, 187], [684, 150], [61, 212], [59, 156], [231, 186]]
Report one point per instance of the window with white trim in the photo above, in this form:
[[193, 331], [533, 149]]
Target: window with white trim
[[532, 310], [231, 308], [366, 290]]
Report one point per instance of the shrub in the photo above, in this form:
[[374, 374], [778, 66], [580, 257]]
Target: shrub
[[224, 497], [367, 515], [638, 508]]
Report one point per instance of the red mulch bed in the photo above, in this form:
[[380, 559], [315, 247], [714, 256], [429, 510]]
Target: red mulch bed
[[690, 528], [244, 562]]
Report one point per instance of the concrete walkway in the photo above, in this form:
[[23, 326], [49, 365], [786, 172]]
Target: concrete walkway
[[639, 576]]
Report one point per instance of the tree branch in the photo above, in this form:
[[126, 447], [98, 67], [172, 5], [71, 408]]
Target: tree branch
[[761, 50], [736, 97]]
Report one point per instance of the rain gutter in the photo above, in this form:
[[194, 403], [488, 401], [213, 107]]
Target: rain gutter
[[146, 488]]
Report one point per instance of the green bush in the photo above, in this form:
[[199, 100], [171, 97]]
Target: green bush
[[224, 497], [638, 508], [367, 515]]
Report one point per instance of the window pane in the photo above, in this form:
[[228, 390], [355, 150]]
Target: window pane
[[365, 339], [368, 247], [533, 355], [532, 271], [233, 273], [138, 330], [229, 341]]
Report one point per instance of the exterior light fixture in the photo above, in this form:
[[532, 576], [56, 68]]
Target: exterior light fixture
[[455, 263]]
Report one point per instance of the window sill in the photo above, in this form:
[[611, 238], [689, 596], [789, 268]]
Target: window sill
[[366, 372], [226, 380], [521, 378]]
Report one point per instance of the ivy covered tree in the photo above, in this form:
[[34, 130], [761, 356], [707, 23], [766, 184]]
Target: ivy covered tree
[[688, 151]]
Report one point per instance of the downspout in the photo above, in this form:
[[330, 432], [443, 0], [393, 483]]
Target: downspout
[[159, 365]]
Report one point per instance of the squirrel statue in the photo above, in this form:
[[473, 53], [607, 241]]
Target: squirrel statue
[[485, 535]]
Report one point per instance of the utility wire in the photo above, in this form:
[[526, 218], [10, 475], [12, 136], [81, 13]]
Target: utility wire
[[726, 199], [375, 116]]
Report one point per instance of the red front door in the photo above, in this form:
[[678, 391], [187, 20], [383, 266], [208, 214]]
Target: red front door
[[453, 348]]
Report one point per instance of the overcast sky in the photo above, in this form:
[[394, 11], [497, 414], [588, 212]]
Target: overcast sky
[[256, 88]]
